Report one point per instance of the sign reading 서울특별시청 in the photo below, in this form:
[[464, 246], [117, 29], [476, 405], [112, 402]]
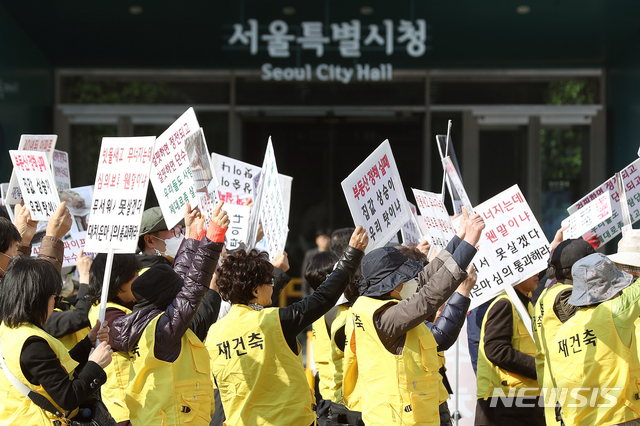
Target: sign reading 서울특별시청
[[36, 182], [376, 197], [587, 218], [435, 218], [41, 143], [119, 194], [171, 175], [611, 227]]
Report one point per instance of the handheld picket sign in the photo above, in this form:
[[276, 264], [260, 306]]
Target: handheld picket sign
[[451, 171], [37, 185], [105, 289], [589, 217], [41, 143], [624, 205]]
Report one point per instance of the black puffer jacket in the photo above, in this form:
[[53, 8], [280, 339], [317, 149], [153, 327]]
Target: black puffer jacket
[[177, 317]]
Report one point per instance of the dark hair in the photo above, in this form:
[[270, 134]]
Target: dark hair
[[351, 293], [340, 240], [8, 234], [410, 251], [241, 272], [25, 290], [124, 269], [320, 268]]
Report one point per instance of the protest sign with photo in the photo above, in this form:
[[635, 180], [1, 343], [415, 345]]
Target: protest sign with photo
[[40, 143], [445, 149], [272, 210], [435, 218], [587, 218], [205, 183], [512, 247], [120, 191], [456, 181], [32, 171], [411, 231], [171, 175], [376, 197], [61, 170], [611, 227], [238, 226]]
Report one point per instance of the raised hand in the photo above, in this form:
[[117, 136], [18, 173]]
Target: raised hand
[[463, 221], [25, 225], [189, 217], [474, 227], [465, 286], [83, 264], [60, 222], [359, 239], [281, 261]]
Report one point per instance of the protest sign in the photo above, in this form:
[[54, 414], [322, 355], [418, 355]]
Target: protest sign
[[4, 188], [512, 247], [119, 194], [435, 218], [171, 175], [40, 143], [272, 210], [456, 181], [238, 226], [610, 228], [411, 231], [583, 220], [235, 181], [205, 184], [61, 170], [37, 186], [445, 149], [376, 197]]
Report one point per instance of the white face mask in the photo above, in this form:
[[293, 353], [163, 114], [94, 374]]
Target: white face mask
[[172, 245], [408, 289]]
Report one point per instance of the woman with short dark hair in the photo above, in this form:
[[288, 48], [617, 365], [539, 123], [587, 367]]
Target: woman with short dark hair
[[255, 356], [28, 292]]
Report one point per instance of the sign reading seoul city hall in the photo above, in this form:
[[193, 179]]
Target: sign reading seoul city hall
[[352, 40]]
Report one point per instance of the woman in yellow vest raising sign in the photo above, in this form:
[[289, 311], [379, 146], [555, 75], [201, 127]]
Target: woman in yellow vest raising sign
[[255, 356]]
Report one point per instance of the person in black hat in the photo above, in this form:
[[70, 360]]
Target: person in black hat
[[157, 244], [397, 362]]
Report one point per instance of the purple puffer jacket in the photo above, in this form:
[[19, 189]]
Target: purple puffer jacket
[[175, 320]]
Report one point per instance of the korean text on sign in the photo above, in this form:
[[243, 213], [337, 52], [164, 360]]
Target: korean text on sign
[[512, 247], [348, 38], [119, 194], [171, 174], [376, 197], [435, 218], [61, 170], [588, 217], [612, 226], [36, 183], [410, 230], [205, 183], [40, 143]]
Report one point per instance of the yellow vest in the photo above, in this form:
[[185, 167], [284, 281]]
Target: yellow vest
[[169, 393], [337, 355], [261, 380], [545, 326], [444, 393], [396, 389], [72, 339], [351, 386], [113, 391], [587, 353], [15, 408], [491, 376], [321, 353]]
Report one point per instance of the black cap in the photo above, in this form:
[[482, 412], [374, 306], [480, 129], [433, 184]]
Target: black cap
[[566, 254], [156, 288]]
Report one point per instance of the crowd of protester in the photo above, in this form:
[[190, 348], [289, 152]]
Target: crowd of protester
[[193, 335]]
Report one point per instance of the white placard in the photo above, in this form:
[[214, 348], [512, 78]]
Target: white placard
[[610, 228], [40, 143], [411, 231], [587, 218], [272, 209], [205, 183], [512, 247], [119, 195], [36, 182], [445, 149], [61, 170], [171, 175], [238, 226], [376, 197], [435, 218], [4, 188], [451, 171]]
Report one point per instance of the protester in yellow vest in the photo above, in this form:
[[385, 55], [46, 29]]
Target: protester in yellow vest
[[507, 388], [30, 288], [255, 356], [397, 363], [171, 377], [120, 302], [593, 355], [545, 318]]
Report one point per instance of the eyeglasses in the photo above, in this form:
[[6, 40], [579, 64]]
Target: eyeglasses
[[57, 298], [177, 231]]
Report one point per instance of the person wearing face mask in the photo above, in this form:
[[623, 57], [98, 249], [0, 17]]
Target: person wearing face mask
[[394, 353], [158, 245]]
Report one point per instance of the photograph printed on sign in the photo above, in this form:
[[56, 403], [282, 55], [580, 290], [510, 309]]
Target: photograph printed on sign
[[512, 247], [610, 228], [33, 174], [447, 150], [171, 174], [40, 143], [205, 183], [119, 194], [376, 198]]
